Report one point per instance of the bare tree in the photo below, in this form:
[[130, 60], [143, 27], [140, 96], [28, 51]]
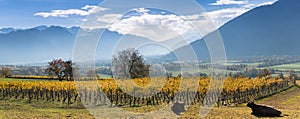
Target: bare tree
[[5, 72], [69, 66], [91, 73], [129, 64], [62, 69]]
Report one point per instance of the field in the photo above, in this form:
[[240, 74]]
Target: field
[[10, 108], [250, 65], [29, 80], [294, 66], [38, 108], [205, 71], [287, 102]]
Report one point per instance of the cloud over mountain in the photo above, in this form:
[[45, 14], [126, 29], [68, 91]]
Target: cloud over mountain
[[84, 11], [229, 2]]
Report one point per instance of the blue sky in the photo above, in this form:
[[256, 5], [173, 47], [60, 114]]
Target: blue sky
[[21, 13]]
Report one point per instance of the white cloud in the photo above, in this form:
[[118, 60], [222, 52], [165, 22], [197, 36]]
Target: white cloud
[[222, 16], [156, 27], [230, 2], [141, 10], [62, 13], [193, 17], [251, 6], [108, 18], [87, 7], [161, 27], [152, 26], [94, 9], [84, 20], [267, 3], [84, 11], [248, 6]]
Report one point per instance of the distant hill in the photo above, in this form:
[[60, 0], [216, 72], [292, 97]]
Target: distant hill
[[263, 31], [73, 30], [33, 45], [6, 30], [42, 43], [43, 27]]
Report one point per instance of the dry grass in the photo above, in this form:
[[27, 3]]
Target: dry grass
[[288, 102], [16, 109]]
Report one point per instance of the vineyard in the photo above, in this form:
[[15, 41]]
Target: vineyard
[[235, 90]]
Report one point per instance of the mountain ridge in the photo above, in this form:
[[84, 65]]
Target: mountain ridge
[[263, 31]]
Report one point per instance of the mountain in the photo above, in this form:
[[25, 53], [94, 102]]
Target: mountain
[[43, 27], [38, 44], [262, 31], [6, 30], [73, 29], [34, 45], [42, 44]]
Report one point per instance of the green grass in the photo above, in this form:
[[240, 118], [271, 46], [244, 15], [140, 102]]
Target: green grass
[[104, 76], [294, 66], [39, 109], [13, 79], [206, 71], [253, 65]]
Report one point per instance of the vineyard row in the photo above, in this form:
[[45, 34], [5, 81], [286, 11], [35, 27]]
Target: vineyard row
[[234, 91]]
